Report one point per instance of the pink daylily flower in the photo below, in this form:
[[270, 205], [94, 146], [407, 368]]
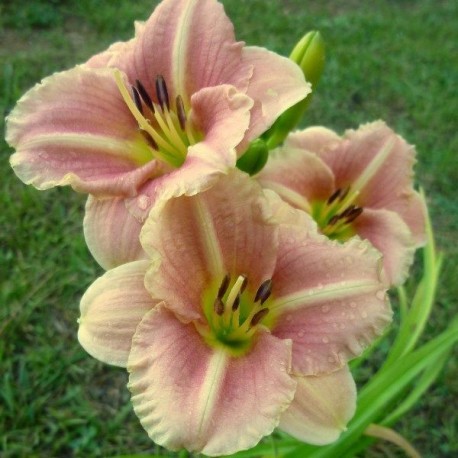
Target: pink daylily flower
[[160, 115], [242, 319], [358, 184]]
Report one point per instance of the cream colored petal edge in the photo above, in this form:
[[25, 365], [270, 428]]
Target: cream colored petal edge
[[111, 309], [188, 395], [322, 407]]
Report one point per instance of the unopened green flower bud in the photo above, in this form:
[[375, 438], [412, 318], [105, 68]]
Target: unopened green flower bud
[[309, 54], [255, 157]]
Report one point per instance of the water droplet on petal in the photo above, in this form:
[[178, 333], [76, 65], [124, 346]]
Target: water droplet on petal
[[300, 334], [380, 295], [353, 305], [363, 314], [325, 340]]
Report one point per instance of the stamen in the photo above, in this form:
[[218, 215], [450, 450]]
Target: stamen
[[258, 317], [150, 140], [218, 306], [333, 220], [334, 196], [354, 214], [344, 193], [181, 112], [162, 93], [145, 96], [347, 211], [264, 291], [244, 283], [137, 99], [223, 287]]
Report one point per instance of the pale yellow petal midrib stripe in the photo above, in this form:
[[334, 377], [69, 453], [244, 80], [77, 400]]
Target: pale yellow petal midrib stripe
[[290, 195], [328, 292], [209, 239], [134, 151], [208, 393]]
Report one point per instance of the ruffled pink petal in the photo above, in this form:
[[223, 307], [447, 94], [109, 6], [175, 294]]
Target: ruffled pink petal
[[192, 45], [277, 84], [112, 234], [376, 158], [322, 407], [411, 207], [188, 395], [75, 129], [392, 237], [111, 310], [202, 238], [329, 298], [222, 115], [313, 139], [298, 176]]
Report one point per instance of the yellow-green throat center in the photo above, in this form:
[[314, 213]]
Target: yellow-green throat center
[[234, 313], [336, 215], [166, 130]]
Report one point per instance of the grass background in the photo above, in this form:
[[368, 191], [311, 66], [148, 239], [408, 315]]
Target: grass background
[[387, 59]]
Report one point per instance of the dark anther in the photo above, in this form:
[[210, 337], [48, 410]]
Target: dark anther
[[149, 139], [161, 92], [333, 220], [264, 291], [145, 96], [258, 316], [347, 211], [334, 196], [137, 99], [180, 111], [223, 287], [236, 303], [218, 306], [354, 214]]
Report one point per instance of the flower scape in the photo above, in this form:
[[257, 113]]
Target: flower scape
[[234, 301]]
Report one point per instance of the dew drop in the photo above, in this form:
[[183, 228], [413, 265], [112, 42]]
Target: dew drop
[[300, 334], [353, 305], [325, 340], [363, 314], [380, 295]]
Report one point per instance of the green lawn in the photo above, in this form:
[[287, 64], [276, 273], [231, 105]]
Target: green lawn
[[391, 59]]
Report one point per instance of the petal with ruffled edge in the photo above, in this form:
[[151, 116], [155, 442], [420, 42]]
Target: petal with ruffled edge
[[222, 115], [202, 238], [322, 407], [192, 45], [276, 85], [188, 395], [379, 164], [392, 237], [298, 176], [75, 129], [328, 298], [111, 309], [112, 234], [313, 139]]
